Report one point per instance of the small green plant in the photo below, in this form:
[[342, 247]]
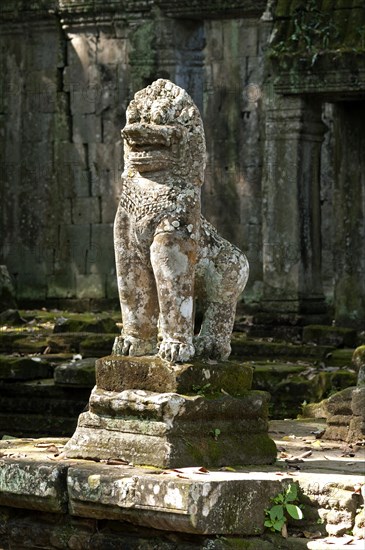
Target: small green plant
[[201, 390], [312, 34], [215, 433], [283, 507]]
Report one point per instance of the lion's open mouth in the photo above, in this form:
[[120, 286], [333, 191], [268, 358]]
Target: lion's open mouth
[[144, 153], [152, 146]]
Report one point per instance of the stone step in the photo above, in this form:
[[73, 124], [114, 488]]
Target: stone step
[[150, 503], [24, 368]]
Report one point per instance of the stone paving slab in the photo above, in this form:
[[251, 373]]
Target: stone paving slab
[[186, 500], [190, 500]]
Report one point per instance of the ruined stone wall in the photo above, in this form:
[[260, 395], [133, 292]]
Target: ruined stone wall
[[69, 70], [275, 182]]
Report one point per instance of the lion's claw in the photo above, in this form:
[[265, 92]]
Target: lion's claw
[[129, 345], [176, 352]]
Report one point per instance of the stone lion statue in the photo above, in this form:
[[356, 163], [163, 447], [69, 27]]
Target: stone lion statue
[[167, 255]]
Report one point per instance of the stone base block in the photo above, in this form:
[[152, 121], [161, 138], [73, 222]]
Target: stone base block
[[207, 415], [356, 430], [115, 373], [171, 430]]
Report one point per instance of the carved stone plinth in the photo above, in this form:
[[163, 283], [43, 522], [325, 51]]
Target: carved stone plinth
[[180, 415]]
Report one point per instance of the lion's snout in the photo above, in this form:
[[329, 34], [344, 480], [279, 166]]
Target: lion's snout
[[139, 134]]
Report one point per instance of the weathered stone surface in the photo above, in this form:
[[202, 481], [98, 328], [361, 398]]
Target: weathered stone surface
[[23, 368], [247, 347], [65, 342], [359, 527], [85, 323], [326, 486], [97, 345], [356, 430], [115, 373], [172, 430], [358, 402], [210, 504], [33, 485], [340, 402], [7, 293], [339, 358], [78, 373], [358, 360], [166, 253], [40, 408], [330, 336], [11, 317], [334, 502]]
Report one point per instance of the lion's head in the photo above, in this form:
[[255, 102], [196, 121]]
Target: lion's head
[[164, 132]]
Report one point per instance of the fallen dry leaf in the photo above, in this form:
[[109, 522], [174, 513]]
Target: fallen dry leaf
[[115, 462], [305, 455], [52, 449], [309, 535]]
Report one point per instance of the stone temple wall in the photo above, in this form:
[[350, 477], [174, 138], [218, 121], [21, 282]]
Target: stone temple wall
[[280, 184], [69, 70]]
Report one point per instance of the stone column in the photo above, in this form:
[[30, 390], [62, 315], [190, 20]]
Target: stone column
[[349, 214], [291, 206]]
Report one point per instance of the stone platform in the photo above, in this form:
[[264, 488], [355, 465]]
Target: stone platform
[[147, 411], [48, 501]]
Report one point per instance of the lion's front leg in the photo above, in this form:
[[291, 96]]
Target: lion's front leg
[[137, 292], [173, 258]]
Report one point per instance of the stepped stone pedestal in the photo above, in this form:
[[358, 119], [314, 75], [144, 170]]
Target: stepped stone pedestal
[[144, 410]]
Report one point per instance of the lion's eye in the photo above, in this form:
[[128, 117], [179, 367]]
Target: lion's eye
[[133, 115], [158, 117]]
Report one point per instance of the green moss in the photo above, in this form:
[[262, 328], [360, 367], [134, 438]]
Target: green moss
[[86, 323], [328, 335], [339, 358], [97, 345], [311, 30], [358, 358], [211, 451], [143, 56]]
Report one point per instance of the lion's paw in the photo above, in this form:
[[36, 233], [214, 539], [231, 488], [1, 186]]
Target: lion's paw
[[130, 345], [175, 351]]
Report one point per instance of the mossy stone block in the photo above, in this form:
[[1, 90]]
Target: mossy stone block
[[116, 373], [85, 323], [33, 485], [23, 368], [329, 336], [339, 358], [79, 373], [358, 358], [169, 430], [97, 345]]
